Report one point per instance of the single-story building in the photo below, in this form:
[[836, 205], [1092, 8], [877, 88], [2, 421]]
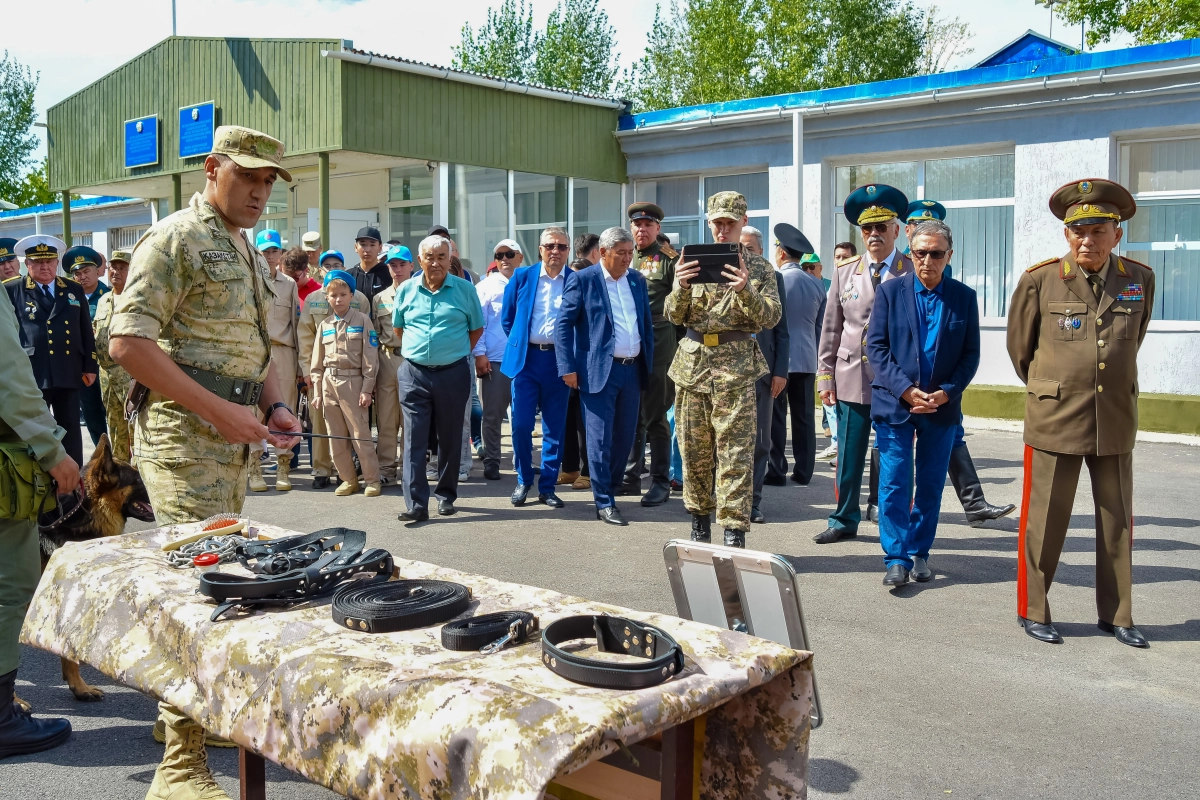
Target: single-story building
[[382, 140]]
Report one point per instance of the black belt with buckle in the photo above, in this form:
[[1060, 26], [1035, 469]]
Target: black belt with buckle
[[437, 367], [625, 361], [235, 390], [662, 658], [714, 339], [655, 319], [489, 633], [549, 347], [398, 605]]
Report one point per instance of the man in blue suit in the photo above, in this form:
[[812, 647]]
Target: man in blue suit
[[924, 345], [532, 301], [604, 345]]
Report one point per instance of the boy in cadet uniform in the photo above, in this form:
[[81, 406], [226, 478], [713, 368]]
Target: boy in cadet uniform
[[387, 390], [315, 309], [345, 361]]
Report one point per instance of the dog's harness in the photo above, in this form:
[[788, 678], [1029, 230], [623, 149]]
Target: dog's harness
[[398, 605], [296, 569]]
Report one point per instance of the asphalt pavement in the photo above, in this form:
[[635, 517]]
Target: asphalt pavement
[[929, 691]]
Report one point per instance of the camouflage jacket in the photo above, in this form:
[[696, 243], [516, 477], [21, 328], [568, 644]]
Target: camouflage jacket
[[23, 412], [192, 291], [113, 377], [397, 715], [714, 308]]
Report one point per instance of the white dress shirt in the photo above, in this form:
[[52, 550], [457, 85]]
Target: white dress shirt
[[627, 340], [491, 301], [546, 302]]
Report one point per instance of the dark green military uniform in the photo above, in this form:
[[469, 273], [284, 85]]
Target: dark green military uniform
[[657, 264]]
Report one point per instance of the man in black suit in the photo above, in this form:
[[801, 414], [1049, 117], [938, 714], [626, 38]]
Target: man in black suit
[[56, 333], [774, 343]]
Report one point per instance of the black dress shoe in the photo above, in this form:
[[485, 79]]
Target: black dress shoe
[[756, 516], [610, 516], [446, 508], [735, 538], [520, 494], [491, 472], [414, 515], [1042, 631], [774, 480], [676, 486], [1130, 636], [872, 514], [321, 482], [921, 571], [988, 513], [701, 528], [659, 493], [629, 489], [831, 535], [551, 499], [896, 575], [796, 479]]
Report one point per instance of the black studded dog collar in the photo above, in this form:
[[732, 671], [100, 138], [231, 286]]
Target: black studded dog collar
[[661, 656]]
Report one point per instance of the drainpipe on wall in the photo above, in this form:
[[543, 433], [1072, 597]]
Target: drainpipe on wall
[[176, 192], [66, 216]]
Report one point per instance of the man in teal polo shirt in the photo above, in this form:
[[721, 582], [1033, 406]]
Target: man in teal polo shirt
[[437, 320]]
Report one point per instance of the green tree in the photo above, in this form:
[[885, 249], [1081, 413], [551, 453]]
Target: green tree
[[17, 142], [1148, 21], [502, 47], [34, 189], [944, 40], [575, 51], [658, 78]]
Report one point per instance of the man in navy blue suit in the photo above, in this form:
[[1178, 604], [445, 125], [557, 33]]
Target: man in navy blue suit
[[923, 344], [604, 345], [532, 301]]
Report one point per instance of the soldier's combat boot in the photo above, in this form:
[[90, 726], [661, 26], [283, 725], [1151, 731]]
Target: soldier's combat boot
[[20, 733], [283, 483], [735, 538], [183, 773], [254, 474], [701, 528]]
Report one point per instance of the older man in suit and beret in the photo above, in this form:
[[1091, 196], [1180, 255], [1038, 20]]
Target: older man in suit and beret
[[10, 266], [844, 371], [56, 332], [1075, 325]]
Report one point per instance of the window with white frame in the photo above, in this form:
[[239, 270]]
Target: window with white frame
[[410, 204], [684, 201], [276, 216], [978, 193], [1164, 177]]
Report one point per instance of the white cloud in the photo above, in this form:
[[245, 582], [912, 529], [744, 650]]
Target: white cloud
[[89, 38]]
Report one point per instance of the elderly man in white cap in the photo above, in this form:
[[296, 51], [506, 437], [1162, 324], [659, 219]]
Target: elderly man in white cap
[[496, 388]]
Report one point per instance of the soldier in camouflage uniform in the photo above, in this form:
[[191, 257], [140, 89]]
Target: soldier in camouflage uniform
[[192, 327], [714, 371], [114, 380]]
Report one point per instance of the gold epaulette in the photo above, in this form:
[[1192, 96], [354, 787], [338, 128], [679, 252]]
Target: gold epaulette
[[849, 260], [667, 251], [1041, 264], [10, 280]]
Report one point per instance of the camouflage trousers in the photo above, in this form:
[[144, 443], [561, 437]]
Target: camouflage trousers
[[191, 489], [114, 386], [717, 431]]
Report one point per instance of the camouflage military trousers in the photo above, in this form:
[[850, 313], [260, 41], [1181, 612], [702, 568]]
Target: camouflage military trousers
[[114, 386], [718, 430], [191, 489]]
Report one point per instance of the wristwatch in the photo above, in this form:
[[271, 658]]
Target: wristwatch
[[274, 406]]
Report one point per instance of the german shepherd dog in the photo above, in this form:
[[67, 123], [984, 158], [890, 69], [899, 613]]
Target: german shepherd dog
[[112, 493]]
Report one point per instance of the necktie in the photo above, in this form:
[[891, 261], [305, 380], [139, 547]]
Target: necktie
[[1097, 284], [49, 295], [876, 270]]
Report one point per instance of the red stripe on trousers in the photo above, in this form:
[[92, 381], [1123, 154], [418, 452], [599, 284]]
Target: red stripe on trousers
[[1022, 578]]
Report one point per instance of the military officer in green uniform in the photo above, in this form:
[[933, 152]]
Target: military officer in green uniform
[[714, 371], [25, 424], [192, 327], [657, 263], [114, 380], [1075, 325]]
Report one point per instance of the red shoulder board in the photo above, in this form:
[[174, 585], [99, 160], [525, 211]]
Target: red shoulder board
[[1041, 264]]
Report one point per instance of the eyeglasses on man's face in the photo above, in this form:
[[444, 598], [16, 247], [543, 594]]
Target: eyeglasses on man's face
[[936, 255], [552, 246], [878, 227], [506, 254]]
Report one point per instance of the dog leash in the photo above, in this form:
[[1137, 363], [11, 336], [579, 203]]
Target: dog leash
[[398, 605], [489, 633], [303, 435]]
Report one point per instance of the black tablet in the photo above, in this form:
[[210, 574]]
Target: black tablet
[[713, 259]]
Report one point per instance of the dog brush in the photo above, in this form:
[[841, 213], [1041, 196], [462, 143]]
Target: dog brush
[[216, 525]]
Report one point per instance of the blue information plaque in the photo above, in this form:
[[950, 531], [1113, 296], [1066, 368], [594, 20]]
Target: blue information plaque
[[141, 142], [196, 127]]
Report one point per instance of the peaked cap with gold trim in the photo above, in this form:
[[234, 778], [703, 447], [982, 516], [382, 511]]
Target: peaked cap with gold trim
[[875, 202], [1092, 200], [40, 247]]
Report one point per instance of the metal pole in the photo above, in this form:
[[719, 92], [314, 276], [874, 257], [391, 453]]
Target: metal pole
[[176, 192], [323, 189], [173, 18], [66, 215], [798, 164]]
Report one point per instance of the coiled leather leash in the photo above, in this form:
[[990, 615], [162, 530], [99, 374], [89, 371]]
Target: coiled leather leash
[[398, 605], [489, 633]]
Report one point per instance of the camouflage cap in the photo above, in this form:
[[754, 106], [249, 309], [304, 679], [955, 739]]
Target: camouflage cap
[[250, 148], [726, 205], [121, 255]]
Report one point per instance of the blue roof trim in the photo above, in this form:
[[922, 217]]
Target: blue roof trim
[[1108, 59], [1030, 47], [56, 208]]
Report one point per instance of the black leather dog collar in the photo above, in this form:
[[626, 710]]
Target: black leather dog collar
[[398, 605], [489, 633], [662, 656]]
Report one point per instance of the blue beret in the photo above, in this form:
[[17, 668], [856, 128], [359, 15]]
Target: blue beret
[[340, 275]]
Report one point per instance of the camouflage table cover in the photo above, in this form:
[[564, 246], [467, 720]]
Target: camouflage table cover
[[396, 715]]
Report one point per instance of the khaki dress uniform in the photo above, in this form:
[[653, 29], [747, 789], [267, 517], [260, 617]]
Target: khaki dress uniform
[[387, 385], [1077, 355], [114, 382], [714, 371], [312, 313], [345, 363]]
